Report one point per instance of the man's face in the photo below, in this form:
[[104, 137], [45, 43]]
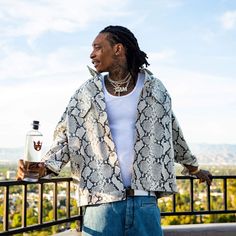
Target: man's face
[[103, 54]]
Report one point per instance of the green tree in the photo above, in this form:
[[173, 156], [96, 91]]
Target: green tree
[[16, 221]]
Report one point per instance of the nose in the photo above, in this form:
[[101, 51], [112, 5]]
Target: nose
[[92, 54]]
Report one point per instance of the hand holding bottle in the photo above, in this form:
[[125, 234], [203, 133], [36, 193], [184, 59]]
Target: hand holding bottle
[[25, 171]]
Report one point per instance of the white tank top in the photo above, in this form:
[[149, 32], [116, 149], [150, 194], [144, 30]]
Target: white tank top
[[122, 113]]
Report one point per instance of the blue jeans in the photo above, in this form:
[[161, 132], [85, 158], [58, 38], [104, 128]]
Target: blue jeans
[[135, 216]]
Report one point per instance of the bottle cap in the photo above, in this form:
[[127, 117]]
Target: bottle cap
[[35, 124]]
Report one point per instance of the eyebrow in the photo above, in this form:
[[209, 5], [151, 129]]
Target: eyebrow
[[96, 44]]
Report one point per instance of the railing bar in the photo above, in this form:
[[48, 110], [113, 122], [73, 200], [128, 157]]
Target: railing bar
[[208, 198], [73, 218], [38, 227], [68, 199], [191, 195], [6, 209], [225, 193], [55, 201], [53, 180], [40, 204], [63, 179], [81, 211], [197, 212], [24, 206], [174, 202], [215, 177]]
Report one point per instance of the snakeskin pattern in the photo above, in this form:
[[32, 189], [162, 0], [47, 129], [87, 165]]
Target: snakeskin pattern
[[83, 137]]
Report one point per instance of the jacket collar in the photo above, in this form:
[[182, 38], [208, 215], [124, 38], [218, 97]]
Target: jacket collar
[[99, 96]]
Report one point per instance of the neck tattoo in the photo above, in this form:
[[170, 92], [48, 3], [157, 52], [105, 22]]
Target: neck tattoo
[[121, 85]]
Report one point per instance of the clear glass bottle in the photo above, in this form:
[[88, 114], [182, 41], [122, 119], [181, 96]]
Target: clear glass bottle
[[33, 152]]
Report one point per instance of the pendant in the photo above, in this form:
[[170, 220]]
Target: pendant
[[120, 89]]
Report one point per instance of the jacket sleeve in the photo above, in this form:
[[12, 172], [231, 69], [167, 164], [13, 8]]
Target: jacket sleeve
[[182, 153], [58, 155]]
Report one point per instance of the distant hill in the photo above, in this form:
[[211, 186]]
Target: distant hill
[[215, 154], [207, 154], [11, 155]]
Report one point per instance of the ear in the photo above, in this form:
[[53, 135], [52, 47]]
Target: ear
[[119, 49]]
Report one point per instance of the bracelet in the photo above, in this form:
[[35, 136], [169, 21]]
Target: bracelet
[[194, 172]]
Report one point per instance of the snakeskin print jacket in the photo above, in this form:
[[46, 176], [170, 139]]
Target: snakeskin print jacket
[[83, 137]]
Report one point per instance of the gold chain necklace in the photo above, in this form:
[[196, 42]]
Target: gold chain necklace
[[117, 85]]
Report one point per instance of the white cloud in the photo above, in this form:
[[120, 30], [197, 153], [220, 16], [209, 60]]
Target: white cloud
[[169, 3], [22, 65], [19, 64], [228, 20], [194, 89], [173, 3], [34, 18], [164, 55], [208, 36]]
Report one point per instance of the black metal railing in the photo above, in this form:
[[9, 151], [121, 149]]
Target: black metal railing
[[8, 230], [42, 182], [208, 210]]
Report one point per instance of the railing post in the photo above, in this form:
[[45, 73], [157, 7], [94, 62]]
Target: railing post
[[6, 209], [24, 205], [191, 195], [225, 193], [68, 199], [208, 198], [40, 204], [174, 203], [81, 211], [55, 201]]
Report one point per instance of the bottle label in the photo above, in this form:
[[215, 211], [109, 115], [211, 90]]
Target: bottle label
[[33, 148], [37, 145]]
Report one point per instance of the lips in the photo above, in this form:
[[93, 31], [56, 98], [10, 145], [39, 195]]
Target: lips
[[95, 63]]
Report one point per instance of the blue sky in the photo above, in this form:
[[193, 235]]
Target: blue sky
[[45, 47]]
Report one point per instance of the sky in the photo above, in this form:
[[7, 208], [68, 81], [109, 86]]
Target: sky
[[45, 47]]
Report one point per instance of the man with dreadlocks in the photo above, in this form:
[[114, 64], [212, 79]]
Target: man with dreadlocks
[[122, 139]]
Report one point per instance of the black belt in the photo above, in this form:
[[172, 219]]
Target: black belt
[[132, 192]]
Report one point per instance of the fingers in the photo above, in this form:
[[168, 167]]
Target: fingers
[[204, 176], [205, 179], [21, 164], [41, 169], [20, 170], [23, 170], [210, 177], [41, 165]]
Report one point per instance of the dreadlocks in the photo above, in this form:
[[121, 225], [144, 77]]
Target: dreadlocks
[[135, 57]]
